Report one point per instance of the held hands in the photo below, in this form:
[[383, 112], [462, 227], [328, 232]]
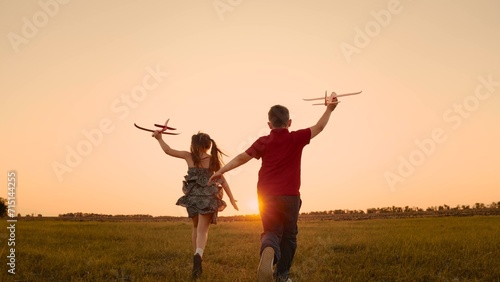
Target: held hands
[[215, 178]]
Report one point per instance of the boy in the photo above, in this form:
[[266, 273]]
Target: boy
[[278, 188]]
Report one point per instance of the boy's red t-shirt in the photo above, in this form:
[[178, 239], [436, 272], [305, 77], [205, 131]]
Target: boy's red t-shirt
[[281, 153]]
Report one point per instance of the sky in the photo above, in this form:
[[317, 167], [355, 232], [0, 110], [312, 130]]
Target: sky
[[76, 75]]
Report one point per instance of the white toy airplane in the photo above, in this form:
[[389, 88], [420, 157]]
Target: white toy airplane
[[329, 100]]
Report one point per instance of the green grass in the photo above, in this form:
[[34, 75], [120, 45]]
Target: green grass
[[423, 249]]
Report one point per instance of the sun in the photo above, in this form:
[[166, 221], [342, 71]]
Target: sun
[[253, 205]]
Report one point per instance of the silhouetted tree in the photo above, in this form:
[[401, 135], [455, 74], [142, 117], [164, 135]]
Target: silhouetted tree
[[385, 210], [479, 206]]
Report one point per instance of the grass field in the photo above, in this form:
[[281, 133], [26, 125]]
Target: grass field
[[420, 249]]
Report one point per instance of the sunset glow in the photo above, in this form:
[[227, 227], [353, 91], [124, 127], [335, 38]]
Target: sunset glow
[[424, 131]]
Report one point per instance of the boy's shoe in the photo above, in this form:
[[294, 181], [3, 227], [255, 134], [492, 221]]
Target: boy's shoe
[[197, 266], [265, 270]]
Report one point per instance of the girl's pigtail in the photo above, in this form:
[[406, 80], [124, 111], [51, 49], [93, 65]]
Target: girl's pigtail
[[216, 159]]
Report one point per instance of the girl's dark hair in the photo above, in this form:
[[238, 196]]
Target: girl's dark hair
[[202, 141]]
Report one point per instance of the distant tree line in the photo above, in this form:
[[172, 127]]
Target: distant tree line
[[80, 214], [406, 209], [385, 210]]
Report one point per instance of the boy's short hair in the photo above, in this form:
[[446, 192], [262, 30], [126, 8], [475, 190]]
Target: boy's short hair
[[278, 116]]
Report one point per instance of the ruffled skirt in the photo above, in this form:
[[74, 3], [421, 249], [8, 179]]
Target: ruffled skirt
[[201, 199]]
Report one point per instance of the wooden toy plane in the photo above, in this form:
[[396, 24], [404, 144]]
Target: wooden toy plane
[[329, 100], [163, 128]]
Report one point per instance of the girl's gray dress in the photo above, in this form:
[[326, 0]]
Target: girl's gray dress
[[200, 198]]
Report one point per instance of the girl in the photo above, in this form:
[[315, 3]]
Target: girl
[[201, 200]]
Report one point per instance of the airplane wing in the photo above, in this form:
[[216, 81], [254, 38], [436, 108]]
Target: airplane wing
[[168, 127], [347, 94], [333, 95], [150, 130], [313, 99]]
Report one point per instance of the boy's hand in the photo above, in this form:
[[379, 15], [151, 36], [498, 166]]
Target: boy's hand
[[235, 206], [332, 106], [214, 178]]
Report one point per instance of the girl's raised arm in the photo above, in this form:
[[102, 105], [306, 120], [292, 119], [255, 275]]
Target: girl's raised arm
[[169, 151]]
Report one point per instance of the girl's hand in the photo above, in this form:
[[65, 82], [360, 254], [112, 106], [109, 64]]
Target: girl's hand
[[235, 206], [157, 134]]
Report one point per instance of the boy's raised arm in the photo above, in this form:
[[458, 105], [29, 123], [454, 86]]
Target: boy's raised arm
[[323, 120]]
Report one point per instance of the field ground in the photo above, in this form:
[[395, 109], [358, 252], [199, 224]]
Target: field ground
[[411, 249]]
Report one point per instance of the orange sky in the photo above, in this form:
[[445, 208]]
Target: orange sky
[[76, 75]]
